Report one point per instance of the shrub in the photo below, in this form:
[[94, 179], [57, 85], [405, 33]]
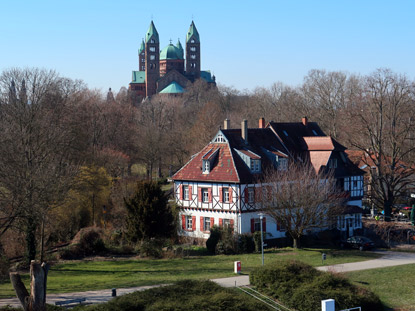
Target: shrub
[[213, 240], [151, 248], [91, 243], [246, 244], [184, 295], [257, 240], [302, 287]]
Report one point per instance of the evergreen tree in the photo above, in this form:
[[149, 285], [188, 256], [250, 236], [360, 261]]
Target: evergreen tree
[[149, 215]]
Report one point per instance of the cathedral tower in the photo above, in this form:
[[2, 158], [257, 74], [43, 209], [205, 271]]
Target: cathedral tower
[[193, 52], [142, 57], [152, 59]]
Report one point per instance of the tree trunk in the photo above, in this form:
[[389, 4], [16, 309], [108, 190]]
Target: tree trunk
[[295, 243], [36, 301]]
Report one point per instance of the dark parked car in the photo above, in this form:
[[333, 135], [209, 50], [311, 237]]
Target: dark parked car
[[360, 242]]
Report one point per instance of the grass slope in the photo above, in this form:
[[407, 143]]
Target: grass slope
[[394, 285], [93, 275]]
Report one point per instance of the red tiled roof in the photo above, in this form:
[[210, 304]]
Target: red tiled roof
[[223, 168], [319, 143]]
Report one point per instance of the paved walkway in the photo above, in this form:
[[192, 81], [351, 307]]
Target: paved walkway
[[387, 260]]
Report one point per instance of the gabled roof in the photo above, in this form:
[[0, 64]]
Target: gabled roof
[[193, 32], [234, 153], [292, 134], [152, 32], [223, 168], [138, 77], [172, 88]]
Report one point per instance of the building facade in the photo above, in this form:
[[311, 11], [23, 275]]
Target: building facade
[[170, 70], [221, 184]]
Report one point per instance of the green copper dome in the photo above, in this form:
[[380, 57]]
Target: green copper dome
[[192, 32], [152, 31], [171, 52]]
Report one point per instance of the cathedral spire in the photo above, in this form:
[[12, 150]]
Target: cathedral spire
[[152, 33], [142, 47], [193, 33]]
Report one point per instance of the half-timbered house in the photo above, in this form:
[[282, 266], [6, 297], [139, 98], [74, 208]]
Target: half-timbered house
[[221, 185]]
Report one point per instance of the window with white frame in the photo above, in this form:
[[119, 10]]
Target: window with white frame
[[225, 195], [193, 56], [205, 195], [226, 222], [251, 195], [152, 48], [193, 48], [206, 223], [255, 166], [152, 57], [192, 41], [185, 192], [189, 223]]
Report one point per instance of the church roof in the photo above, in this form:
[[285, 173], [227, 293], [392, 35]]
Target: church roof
[[207, 76], [139, 77], [180, 48], [192, 32], [152, 31], [171, 52], [142, 47], [172, 88]]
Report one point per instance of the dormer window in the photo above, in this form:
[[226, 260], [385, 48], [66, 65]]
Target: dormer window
[[206, 167], [282, 164], [255, 166], [219, 138]]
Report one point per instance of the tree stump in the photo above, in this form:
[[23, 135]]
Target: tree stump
[[36, 301]]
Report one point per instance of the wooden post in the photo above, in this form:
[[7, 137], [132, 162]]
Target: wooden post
[[36, 301]]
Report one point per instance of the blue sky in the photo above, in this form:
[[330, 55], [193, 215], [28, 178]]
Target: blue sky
[[244, 43]]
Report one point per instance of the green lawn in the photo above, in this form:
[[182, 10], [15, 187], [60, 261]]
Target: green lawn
[[93, 275], [394, 285]]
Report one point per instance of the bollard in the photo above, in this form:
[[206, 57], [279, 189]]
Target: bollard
[[237, 267], [327, 305], [114, 292]]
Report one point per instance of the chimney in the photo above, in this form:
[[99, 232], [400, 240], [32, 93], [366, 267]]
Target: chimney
[[244, 130], [305, 121], [261, 123], [226, 124]]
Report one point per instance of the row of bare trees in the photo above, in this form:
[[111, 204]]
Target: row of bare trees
[[66, 150]]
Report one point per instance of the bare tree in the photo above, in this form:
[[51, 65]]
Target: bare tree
[[300, 199], [384, 123], [35, 170], [326, 96]]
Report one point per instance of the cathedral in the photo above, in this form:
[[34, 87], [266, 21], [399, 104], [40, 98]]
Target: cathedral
[[168, 71]]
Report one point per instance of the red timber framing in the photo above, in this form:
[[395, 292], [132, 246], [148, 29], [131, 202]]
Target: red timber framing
[[215, 201]]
